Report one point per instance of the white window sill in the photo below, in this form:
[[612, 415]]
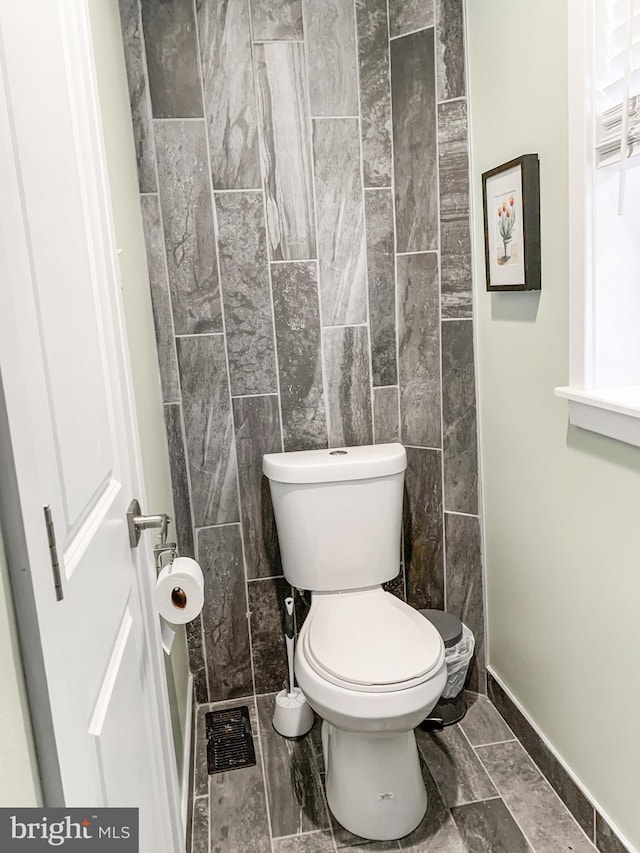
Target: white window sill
[[614, 412]]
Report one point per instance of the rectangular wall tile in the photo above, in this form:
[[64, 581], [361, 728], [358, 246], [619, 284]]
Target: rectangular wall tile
[[458, 773], [200, 769], [454, 157], [257, 426], [450, 49], [488, 827], [455, 241], [225, 49], [386, 415], [459, 417], [554, 772], [277, 19], [465, 598], [244, 271], [346, 356], [187, 215], [224, 614], [298, 335], [239, 819], [172, 58], [423, 547], [375, 96], [135, 60], [455, 257], [183, 534], [285, 150], [208, 429], [382, 287], [414, 141], [179, 480], [542, 817], [266, 606], [406, 16], [160, 299], [340, 218], [330, 36], [419, 349], [296, 799], [456, 279], [197, 662]]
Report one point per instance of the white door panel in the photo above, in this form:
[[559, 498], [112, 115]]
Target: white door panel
[[71, 421], [66, 274], [115, 730]]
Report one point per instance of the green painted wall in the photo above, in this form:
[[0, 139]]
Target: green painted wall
[[561, 505]]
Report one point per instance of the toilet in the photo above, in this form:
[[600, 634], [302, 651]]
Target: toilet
[[370, 665]]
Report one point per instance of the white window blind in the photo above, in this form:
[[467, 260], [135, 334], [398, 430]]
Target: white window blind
[[618, 83]]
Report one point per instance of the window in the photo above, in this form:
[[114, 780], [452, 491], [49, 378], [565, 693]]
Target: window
[[617, 83], [604, 226]]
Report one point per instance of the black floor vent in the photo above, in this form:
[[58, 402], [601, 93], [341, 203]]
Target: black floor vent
[[229, 739]]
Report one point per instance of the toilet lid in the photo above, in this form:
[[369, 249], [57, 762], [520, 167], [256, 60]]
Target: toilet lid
[[372, 641]]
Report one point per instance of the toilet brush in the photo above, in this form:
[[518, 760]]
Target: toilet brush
[[292, 717]]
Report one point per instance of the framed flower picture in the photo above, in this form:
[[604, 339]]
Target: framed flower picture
[[511, 202]]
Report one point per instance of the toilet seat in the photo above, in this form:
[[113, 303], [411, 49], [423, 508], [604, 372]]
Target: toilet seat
[[370, 641]]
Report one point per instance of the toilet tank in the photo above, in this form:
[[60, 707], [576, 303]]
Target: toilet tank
[[338, 514]]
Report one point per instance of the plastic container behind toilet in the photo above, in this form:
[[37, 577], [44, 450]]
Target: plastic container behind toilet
[[459, 644]]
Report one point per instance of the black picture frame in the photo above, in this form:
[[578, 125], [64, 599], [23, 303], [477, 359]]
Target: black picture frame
[[525, 266]]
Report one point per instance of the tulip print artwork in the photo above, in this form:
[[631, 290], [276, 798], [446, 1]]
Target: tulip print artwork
[[511, 208], [506, 225]]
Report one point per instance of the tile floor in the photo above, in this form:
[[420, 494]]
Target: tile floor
[[485, 795]]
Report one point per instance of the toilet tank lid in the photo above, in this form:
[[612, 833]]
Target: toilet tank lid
[[335, 464]]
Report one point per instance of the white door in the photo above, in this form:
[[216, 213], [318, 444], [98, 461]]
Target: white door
[[64, 371]]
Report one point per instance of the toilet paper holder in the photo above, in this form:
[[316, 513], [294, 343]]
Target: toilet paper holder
[[137, 522], [160, 552]]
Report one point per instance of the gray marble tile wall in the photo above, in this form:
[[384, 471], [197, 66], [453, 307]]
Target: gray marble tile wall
[[304, 183]]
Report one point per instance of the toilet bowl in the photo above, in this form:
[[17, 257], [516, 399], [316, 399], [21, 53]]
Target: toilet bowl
[[370, 665], [371, 692]]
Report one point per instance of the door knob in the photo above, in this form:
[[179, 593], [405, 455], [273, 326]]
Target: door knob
[[137, 522]]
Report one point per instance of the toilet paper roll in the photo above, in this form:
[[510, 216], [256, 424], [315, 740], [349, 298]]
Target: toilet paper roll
[[179, 592]]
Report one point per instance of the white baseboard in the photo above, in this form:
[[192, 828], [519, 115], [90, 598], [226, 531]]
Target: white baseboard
[[185, 781], [561, 761]]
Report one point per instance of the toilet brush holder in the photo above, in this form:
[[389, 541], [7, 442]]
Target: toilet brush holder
[[293, 716]]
